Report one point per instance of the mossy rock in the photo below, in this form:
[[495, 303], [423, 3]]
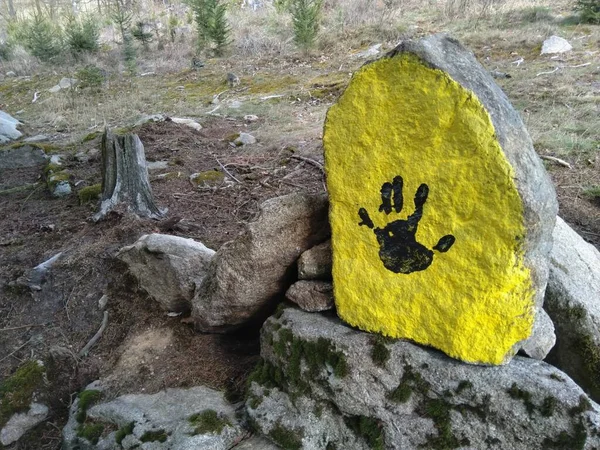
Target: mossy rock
[[208, 178], [17, 390], [208, 421], [89, 193]]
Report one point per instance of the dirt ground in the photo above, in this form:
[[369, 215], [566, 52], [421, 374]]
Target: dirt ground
[[143, 348]]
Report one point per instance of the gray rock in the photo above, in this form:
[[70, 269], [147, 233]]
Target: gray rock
[[23, 156], [321, 386], [250, 117], [244, 139], [555, 44], [64, 83], [8, 128], [187, 122], [20, 423], [36, 138], [168, 268], [166, 413], [10, 73], [542, 337], [149, 118], [374, 50], [315, 263], [256, 443], [157, 165], [61, 189], [573, 303], [248, 274], [311, 295]]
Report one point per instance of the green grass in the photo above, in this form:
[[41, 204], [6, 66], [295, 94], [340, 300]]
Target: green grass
[[17, 390]]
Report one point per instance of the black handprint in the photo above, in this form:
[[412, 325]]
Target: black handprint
[[398, 249]]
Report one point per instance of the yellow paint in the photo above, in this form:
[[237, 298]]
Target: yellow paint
[[400, 117]]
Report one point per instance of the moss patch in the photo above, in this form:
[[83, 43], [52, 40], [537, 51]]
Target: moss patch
[[590, 356], [575, 440], [439, 411], [286, 438], [411, 380], [208, 421], [124, 431], [155, 436], [380, 354], [86, 399], [89, 193], [91, 136], [91, 432], [17, 390], [367, 428], [208, 178]]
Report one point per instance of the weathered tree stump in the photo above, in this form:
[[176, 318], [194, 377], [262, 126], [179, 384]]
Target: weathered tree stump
[[125, 176]]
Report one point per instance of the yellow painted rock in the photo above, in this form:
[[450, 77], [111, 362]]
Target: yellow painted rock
[[441, 212]]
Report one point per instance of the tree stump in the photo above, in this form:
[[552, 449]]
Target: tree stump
[[125, 177]]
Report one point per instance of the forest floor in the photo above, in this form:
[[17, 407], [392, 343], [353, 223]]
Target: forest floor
[[557, 96]]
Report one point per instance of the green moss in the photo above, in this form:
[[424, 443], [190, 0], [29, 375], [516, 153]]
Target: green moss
[[91, 432], [590, 355], [17, 390], [51, 168], [568, 441], [411, 380], [91, 136], [368, 428], [557, 377], [124, 431], [86, 399], [548, 406], [208, 421], [254, 401], [232, 137], [438, 410], [266, 374], [89, 193], [286, 438], [583, 406], [278, 313], [380, 354], [463, 385], [154, 436], [208, 178], [518, 394]]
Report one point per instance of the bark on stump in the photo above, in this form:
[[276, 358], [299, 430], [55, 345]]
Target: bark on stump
[[125, 176]]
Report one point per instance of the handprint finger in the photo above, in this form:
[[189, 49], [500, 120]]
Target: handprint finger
[[397, 185], [365, 219], [386, 198], [445, 243], [420, 199]]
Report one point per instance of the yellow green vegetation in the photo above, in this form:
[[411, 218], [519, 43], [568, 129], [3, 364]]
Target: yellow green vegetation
[[208, 421], [124, 431], [268, 84], [368, 428], [89, 193], [155, 436], [400, 118], [17, 390], [286, 438], [91, 136], [208, 178]]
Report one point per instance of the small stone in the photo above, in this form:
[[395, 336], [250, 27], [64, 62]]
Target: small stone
[[315, 263], [250, 118], [542, 338], [374, 50], [149, 118], [36, 138], [62, 189], [244, 139], [187, 122], [157, 165], [10, 73], [20, 423], [556, 44], [311, 295]]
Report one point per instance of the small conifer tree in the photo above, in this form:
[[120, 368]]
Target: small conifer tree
[[306, 16]]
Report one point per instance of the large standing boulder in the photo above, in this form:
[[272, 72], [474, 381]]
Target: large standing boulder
[[8, 128], [168, 268], [251, 273], [441, 211], [173, 419], [323, 385], [573, 303]]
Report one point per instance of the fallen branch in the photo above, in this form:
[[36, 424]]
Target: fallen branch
[[559, 161], [268, 97], [10, 354], [227, 171], [580, 65], [19, 189], [84, 351], [547, 73], [308, 160], [22, 326]]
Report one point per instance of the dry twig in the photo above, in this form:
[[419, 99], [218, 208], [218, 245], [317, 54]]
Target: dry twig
[[547, 73], [559, 161], [84, 351], [227, 171], [308, 160]]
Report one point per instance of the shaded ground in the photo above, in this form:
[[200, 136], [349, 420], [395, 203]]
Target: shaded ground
[[54, 324]]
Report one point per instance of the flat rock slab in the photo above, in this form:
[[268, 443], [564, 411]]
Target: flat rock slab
[[441, 212], [573, 303], [323, 385], [167, 420], [21, 157]]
